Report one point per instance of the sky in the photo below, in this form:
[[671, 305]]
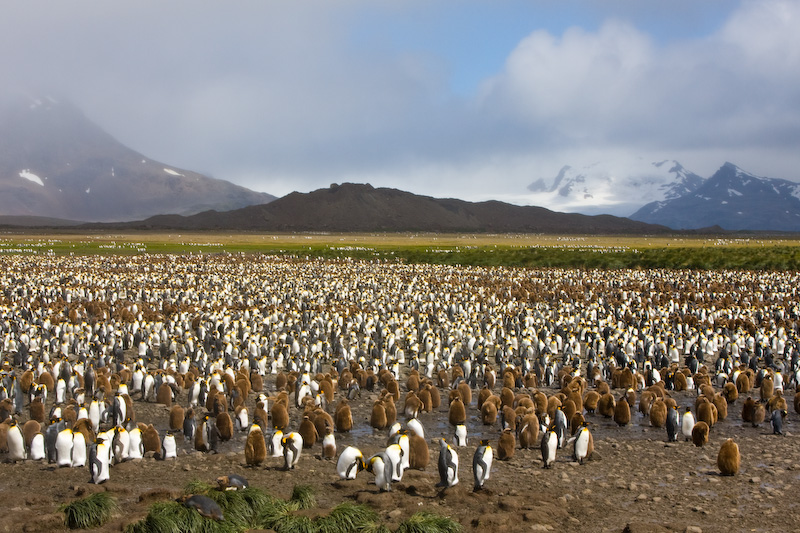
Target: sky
[[468, 99]]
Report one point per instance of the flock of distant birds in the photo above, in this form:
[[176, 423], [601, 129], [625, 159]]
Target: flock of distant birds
[[81, 338]]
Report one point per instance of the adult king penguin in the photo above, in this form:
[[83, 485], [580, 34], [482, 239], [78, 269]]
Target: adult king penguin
[[448, 465], [482, 464]]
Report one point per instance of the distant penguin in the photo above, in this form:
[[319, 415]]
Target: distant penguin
[[151, 439], [549, 445], [329, 444], [308, 431], [241, 418], [622, 412], [748, 408], [448, 465], [528, 431], [350, 463], [169, 448], [482, 464], [201, 435], [673, 427], [78, 450], [700, 433], [507, 444], [460, 435], [343, 419], [98, 461], [292, 446], [659, 413], [583, 445], [728, 458], [776, 419], [381, 466], [560, 424], [759, 414], [176, 417], [64, 447], [189, 425], [255, 447], [280, 416], [224, 426], [687, 424], [121, 445]]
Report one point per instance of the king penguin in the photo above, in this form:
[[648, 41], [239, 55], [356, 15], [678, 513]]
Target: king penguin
[[777, 421], [687, 424], [549, 446], [584, 444], [64, 447], [482, 464], [448, 465], [292, 446], [460, 436], [169, 448], [78, 450], [255, 447], [15, 442], [98, 461], [381, 466], [350, 463], [673, 427]]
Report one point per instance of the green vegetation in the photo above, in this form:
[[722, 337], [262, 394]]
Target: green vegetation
[[529, 251], [92, 511], [252, 508]]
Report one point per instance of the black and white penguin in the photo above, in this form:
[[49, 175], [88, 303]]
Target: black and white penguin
[[205, 506], [687, 424], [329, 444], [584, 444], [292, 446], [275, 447], [549, 446], [169, 448], [350, 463], [482, 464], [37, 448], [135, 444], [98, 461], [673, 426], [560, 425], [64, 447], [381, 466], [460, 436], [50, 437], [395, 454], [232, 482], [78, 450], [777, 421], [15, 442], [448, 465]]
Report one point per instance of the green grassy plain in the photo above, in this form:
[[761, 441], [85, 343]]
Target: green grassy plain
[[519, 250]]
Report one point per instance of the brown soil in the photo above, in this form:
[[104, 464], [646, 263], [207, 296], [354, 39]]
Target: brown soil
[[635, 480]]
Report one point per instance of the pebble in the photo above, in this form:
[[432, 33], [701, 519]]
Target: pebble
[[693, 529], [755, 479], [641, 497]]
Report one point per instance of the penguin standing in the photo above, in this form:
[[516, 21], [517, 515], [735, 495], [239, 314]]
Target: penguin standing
[[560, 423], [16, 442], [255, 447], [64, 447], [350, 463], [687, 424], [135, 444], [169, 448], [673, 427], [728, 459], [275, 444], [292, 446], [329, 444], [36, 450], [549, 445], [98, 461], [189, 425], [395, 454], [381, 466], [448, 465], [507, 445], [460, 436], [584, 444], [51, 436], [482, 464], [777, 421], [78, 450]]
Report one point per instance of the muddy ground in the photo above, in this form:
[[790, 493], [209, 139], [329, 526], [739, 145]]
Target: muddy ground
[[635, 479]]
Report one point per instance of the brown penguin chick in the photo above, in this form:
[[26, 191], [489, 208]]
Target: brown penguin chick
[[4, 427], [797, 402], [658, 413], [419, 455], [590, 401], [465, 392], [328, 444], [730, 392], [540, 399], [327, 388], [391, 410], [602, 388], [378, 417], [707, 390], [260, 416], [29, 430], [243, 384], [257, 382], [425, 399], [164, 395], [576, 422], [224, 424], [506, 445], [488, 413], [607, 405], [443, 379], [507, 397], [412, 405], [508, 380], [528, 431], [509, 418], [569, 409], [280, 416], [176, 415], [308, 431], [394, 390], [36, 409], [630, 396], [84, 425], [457, 414], [705, 412], [553, 403], [777, 402], [748, 408], [700, 434], [436, 397], [646, 400], [721, 406], [412, 382], [281, 381], [151, 439], [759, 414], [322, 421], [679, 383], [622, 412], [767, 389], [483, 394], [743, 383], [343, 419], [46, 379], [255, 447], [728, 458], [577, 398], [69, 415]]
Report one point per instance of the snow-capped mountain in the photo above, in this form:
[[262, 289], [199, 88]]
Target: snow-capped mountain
[[617, 189], [55, 162], [732, 199]]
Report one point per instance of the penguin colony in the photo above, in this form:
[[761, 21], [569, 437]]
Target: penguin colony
[[266, 353]]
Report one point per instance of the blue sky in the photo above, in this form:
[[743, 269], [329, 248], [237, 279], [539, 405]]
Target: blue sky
[[470, 99]]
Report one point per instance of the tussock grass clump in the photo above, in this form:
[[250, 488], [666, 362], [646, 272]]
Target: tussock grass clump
[[92, 511], [424, 522], [303, 497]]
